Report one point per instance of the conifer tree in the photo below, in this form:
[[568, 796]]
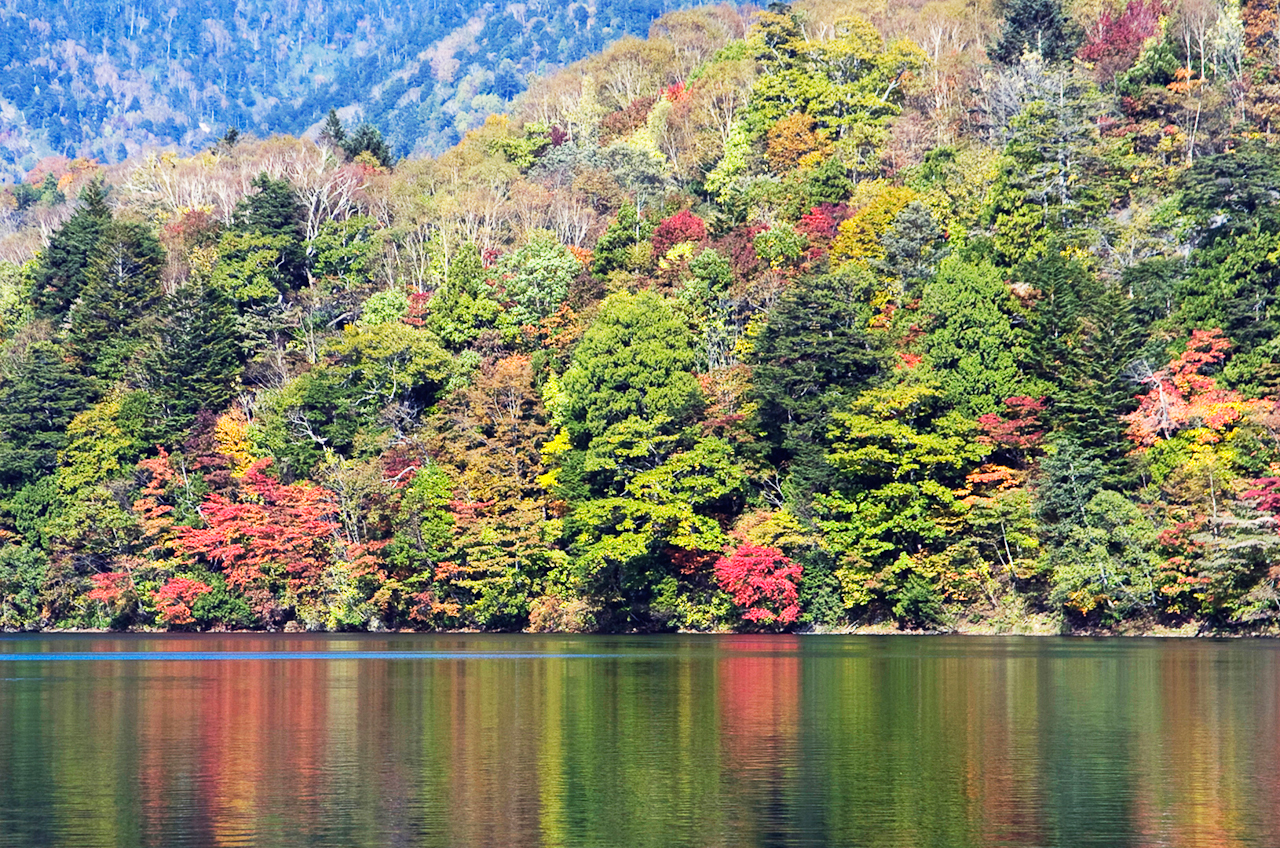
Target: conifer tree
[[814, 356], [36, 405], [122, 285], [195, 358], [60, 273], [1036, 26]]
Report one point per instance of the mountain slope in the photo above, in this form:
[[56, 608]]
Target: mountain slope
[[85, 78]]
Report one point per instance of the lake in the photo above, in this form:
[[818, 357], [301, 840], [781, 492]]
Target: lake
[[471, 740]]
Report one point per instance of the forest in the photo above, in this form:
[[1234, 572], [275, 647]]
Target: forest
[[111, 78], [933, 317]]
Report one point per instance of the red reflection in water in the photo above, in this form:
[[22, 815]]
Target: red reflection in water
[[759, 696]]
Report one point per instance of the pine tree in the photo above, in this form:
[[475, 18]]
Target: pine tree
[[1038, 26], [913, 247], [367, 139], [122, 285], [814, 356], [60, 272], [333, 132], [36, 405], [195, 358]]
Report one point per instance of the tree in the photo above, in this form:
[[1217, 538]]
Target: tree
[[333, 132], [813, 357], [763, 582], [367, 140], [275, 544], [1036, 26], [1083, 338], [60, 271], [970, 341], [913, 247], [466, 305], [194, 361], [900, 454], [275, 213], [634, 362], [1181, 395], [36, 404], [537, 276], [1108, 564], [849, 85], [23, 570], [121, 288]]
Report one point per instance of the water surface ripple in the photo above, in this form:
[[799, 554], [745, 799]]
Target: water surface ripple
[[477, 740]]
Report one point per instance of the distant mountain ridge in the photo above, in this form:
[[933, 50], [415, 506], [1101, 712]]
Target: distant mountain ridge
[[105, 80]]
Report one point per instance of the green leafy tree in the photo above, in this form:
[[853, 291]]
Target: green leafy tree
[[900, 454], [537, 276], [634, 362], [971, 342], [616, 250], [849, 84], [634, 478], [23, 570], [1107, 566]]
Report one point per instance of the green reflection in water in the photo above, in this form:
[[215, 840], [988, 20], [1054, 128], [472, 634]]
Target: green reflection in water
[[641, 741]]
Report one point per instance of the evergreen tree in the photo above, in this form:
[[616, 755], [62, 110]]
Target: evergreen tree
[[333, 132], [1083, 340], [814, 356], [195, 358], [1037, 26], [122, 285], [971, 342], [36, 404], [913, 247], [367, 139], [60, 272]]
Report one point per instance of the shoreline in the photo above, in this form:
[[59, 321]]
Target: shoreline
[[1189, 631]]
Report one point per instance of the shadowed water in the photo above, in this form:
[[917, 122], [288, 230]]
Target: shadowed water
[[637, 741]]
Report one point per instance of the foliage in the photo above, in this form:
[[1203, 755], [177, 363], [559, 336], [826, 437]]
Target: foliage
[[762, 581], [1036, 26]]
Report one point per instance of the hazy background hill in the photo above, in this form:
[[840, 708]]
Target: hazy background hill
[[106, 79]]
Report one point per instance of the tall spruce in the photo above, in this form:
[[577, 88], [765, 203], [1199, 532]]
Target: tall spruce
[[62, 266]]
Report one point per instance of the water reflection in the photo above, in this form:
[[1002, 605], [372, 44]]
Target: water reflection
[[698, 741]]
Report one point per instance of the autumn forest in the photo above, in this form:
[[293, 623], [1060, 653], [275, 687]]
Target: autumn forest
[[924, 316]]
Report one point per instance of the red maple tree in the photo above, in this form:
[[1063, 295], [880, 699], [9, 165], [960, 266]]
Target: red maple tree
[[763, 581], [274, 542], [1181, 396], [175, 599], [679, 228]]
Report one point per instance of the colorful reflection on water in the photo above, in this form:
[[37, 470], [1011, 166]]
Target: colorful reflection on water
[[637, 741]]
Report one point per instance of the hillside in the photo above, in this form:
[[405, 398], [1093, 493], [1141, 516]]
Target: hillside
[[106, 80], [905, 317]]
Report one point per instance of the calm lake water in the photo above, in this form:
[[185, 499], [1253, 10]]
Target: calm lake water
[[637, 741]]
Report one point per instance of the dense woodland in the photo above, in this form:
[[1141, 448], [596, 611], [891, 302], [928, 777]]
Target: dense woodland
[[825, 316], [108, 78]]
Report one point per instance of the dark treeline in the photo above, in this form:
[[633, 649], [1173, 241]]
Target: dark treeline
[[927, 317]]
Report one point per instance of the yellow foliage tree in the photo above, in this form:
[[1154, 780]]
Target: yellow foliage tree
[[859, 237], [231, 433]]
